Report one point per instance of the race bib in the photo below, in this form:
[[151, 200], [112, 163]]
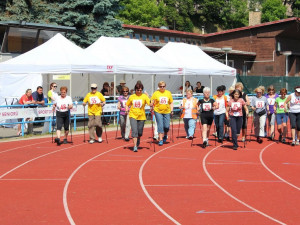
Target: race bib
[[163, 100], [259, 104], [236, 106], [206, 106], [281, 105], [297, 101], [94, 100], [221, 103], [124, 103], [63, 107], [271, 101], [137, 104]]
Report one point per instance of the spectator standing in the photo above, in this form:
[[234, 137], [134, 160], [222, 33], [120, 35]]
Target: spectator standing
[[95, 102], [199, 88], [38, 96], [120, 86]]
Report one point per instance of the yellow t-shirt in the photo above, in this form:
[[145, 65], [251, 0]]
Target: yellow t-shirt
[[137, 106], [162, 101], [94, 101]]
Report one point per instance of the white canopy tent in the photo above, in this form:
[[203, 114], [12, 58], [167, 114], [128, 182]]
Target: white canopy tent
[[193, 61]]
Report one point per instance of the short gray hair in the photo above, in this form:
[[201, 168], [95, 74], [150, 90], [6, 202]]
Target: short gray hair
[[206, 89]]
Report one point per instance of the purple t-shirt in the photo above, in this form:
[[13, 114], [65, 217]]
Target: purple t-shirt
[[122, 101], [271, 102]]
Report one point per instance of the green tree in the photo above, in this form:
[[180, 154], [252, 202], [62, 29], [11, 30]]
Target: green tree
[[296, 8], [273, 10], [92, 18], [144, 13], [235, 14], [178, 14]]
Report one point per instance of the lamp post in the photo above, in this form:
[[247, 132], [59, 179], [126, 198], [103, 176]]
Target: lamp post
[[226, 50], [287, 54]]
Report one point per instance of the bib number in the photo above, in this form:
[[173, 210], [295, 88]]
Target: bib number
[[271, 101], [206, 106], [163, 100], [137, 104], [94, 100], [259, 104]]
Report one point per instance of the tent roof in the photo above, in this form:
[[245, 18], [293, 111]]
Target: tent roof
[[54, 56], [193, 60], [122, 55]]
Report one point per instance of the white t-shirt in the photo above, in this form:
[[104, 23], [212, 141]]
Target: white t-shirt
[[222, 108], [295, 103], [188, 108], [63, 103]]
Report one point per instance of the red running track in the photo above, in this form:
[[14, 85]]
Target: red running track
[[42, 183]]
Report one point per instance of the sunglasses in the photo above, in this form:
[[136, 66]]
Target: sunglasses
[[138, 89], [162, 86], [55, 86], [125, 91]]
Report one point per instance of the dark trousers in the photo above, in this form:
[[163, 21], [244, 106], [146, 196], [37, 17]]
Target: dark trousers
[[236, 125], [219, 121]]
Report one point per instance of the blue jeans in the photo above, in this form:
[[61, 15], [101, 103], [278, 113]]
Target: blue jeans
[[189, 126], [163, 122], [219, 121], [236, 125]]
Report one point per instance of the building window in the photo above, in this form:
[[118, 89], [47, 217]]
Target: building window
[[229, 62], [144, 37], [183, 40], [150, 37], [177, 39], [172, 39], [166, 39], [157, 38], [130, 35], [199, 43], [137, 36]]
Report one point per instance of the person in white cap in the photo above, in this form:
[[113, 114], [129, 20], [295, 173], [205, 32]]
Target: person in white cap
[[95, 102], [120, 87], [294, 113]]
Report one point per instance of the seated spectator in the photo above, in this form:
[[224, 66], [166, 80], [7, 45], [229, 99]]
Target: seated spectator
[[120, 87], [26, 99], [106, 89], [188, 86], [38, 96], [199, 88]]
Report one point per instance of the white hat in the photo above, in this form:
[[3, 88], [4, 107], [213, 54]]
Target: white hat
[[93, 85], [122, 82], [297, 89]]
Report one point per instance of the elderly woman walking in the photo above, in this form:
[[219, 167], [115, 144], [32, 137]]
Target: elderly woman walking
[[259, 106]]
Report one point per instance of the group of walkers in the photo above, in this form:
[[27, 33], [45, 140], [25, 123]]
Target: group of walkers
[[225, 111]]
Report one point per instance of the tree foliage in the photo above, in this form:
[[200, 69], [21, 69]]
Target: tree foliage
[[144, 13], [273, 10], [92, 18], [296, 8]]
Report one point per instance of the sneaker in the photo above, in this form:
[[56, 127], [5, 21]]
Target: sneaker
[[57, 141], [243, 139], [138, 142], [228, 138], [155, 137], [165, 138], [220, 141], [215, 134], [160, 143], [100, 140], [297, 142], [191, 137], [293, 143], [65, 141], [135, 149], [187, 137], [91, 141], [280, 138], [204, 144], [235, 147], [283, 140], [126, 139], [259, 140]]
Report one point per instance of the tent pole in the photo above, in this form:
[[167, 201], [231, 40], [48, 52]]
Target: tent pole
[[183, 83], [115, 80], [153, 83], [70, 85], [210, 83]]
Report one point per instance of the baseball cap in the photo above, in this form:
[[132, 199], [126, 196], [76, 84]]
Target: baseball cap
[[93, 85], [297, 89], [122, 82]]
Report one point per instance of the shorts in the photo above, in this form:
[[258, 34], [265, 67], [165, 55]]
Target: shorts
[[62, 119], [207, 118], [281, 118]]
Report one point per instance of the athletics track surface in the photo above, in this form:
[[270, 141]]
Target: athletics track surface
[[42, 183]]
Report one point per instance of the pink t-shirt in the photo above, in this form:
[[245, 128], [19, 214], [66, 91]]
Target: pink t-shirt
[[24, 99], [236, 107]]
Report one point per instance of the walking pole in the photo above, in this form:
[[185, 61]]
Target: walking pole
[[52, 124], [246, 131], [252, 126], [152, 118], [215, 132], [83, 123], [118, 121], [105, 133], [194, 133], [70, 126], [179, 124], [172, 127]]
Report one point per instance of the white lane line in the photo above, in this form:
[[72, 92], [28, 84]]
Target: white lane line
[[23, 146], [50, 153], [179, 185], [138, 156], [273, 173], [116, 160], [286, 163], [177, 158], [144, 188], [65, 200], [260, 181], [240, 163], [230, 195]]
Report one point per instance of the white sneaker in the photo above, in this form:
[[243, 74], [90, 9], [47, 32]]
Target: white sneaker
[[91, 141], [99, 139], [297, 142]]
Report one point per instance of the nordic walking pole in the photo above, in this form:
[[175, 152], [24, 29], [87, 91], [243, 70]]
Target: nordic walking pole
[[118, 121], [246, 131], [179, 124], [52, 123], [194, 133], [215, 135], [70, 119], [172, 127], [83, 123], [252, 124], [152, 118], [105, 133]]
